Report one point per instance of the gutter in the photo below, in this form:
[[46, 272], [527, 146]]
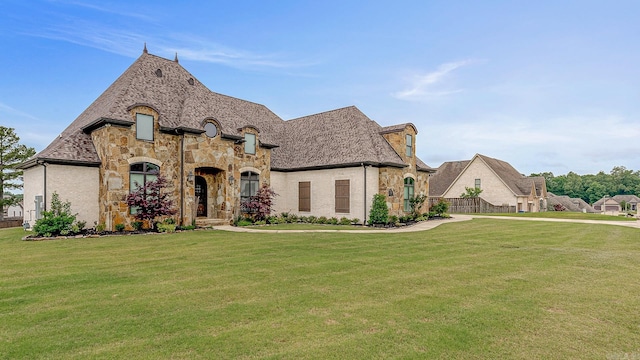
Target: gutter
[[364, 221]]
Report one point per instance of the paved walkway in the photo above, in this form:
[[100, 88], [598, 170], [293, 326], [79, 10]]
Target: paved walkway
[[428, 225]]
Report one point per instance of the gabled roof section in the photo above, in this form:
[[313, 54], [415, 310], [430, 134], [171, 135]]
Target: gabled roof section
[[181, 100], [445, 176], [519, 184], [341, 137]]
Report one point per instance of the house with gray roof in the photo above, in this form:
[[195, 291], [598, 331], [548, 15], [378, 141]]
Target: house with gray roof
[[615, 203], [216, 151], [501, 183]]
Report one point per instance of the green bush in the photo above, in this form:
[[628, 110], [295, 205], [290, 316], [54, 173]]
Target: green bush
[[312, 219], [393, 219], [166, 227], [440, 207], [187, 227], [322, 220], [245, 222], [136, 225], [100, 227], [120, 227], [355, 221], [260, 222], [379, 213], [57, 221], [344, 221]]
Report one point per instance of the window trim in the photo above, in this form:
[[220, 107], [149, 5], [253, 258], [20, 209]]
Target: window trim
[[148, 169], [409, 142], [478, 183], [139, 118], [408, 192], [252, 143]]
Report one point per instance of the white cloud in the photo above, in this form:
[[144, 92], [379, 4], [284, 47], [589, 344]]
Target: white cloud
[[431, 85]]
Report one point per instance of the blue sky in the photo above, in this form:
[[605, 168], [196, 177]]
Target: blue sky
[[544, 85]]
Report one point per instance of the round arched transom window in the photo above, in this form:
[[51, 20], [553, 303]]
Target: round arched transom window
[[210, 129]]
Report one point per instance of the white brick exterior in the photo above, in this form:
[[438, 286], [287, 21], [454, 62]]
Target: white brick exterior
[[285, 184], [75, 184]]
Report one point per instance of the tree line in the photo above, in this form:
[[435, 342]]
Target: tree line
[[591, 188]]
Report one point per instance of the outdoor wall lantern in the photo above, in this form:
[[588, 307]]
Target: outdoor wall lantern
[[190, 176], [390, 192], [231, 179]]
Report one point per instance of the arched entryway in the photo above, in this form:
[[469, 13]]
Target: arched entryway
[[201, 196]]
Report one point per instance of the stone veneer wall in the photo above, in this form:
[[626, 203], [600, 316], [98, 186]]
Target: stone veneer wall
[[118, 147], [393, 178]]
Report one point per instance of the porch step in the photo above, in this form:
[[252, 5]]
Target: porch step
[[211, 222]]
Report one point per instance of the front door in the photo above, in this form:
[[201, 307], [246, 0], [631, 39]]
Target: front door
[[201, 195]]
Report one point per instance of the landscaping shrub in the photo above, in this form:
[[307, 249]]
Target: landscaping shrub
[[322, 220], [332, 221], [355, 221], [344, 221], [137, 225], [312, 219], [379, 213], [120, 227], [440, 207], [259, 206], [150, 200], [57, 221], [393, 219]]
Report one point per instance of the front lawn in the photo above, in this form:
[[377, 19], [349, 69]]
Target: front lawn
[[482, 289], [565, 215]]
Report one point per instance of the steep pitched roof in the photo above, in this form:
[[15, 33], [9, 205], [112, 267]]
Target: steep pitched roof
[[340, 137], [444, 177]]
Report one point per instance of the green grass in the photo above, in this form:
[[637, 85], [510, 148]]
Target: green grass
[[566, 215], [312, 227], [481, 289]]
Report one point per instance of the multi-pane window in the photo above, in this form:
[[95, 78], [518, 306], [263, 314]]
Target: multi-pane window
[[144, 127], [139, 174], [249, 182], [250, 143], [409, 145], [304, 196], [342, 196], [408, 193], [477, 185]]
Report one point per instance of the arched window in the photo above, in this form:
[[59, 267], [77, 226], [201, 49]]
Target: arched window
[[408, 193], [249, 182], [139, 174]]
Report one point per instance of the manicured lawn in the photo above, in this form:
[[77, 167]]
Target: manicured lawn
[[312, 227], [566, 215], [481, 289]]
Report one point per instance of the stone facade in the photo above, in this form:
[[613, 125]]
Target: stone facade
[[181, 158], [393, 178]]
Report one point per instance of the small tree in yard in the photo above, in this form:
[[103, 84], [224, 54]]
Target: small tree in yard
[[379, 213], [416, 203], [151, 201], [12, 154], [260, 204], [471, 193]]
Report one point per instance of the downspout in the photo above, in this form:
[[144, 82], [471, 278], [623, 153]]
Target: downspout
[[181, 179], [44, 191], [364, 221]]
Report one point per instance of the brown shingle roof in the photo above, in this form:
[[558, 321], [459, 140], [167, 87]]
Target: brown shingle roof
[[519, 184], [334, 138]]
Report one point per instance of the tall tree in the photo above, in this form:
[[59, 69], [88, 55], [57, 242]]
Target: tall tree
[[12, 154]]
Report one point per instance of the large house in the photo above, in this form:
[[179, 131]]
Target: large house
[[501, 183], [615, 203], [216, 151]]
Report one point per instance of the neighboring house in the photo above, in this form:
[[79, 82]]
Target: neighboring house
[[615, 203], [501, 184], [217, 150], [570, 204], [13, 211]]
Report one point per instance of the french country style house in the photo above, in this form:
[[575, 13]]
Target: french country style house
[[217, 150]]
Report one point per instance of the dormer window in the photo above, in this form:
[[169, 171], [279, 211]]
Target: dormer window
[[210, 129], [409, 145], [249, 143], [144, 127]]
